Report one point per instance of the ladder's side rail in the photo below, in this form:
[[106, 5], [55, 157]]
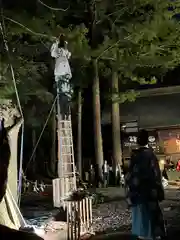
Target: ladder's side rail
[[74, 170]]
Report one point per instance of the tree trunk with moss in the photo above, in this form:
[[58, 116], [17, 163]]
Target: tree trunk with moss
[[97, 121], [116, 132], [79, 133]]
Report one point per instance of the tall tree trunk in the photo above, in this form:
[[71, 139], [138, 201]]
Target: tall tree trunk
[[53, 146], [97, 120], [79, 134], [116, 133]]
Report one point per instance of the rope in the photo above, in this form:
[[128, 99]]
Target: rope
[[52, 8], [3, 32], [35, 148]]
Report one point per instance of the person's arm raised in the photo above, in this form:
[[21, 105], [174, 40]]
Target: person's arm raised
[[54, 50]]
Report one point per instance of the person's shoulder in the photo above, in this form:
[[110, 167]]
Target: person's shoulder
[[8, 233], [134, 151], [142, 152], [149, 154]]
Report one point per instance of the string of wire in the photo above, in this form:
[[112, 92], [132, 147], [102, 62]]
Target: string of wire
[[40, 136], [3, 29], [4, 36]]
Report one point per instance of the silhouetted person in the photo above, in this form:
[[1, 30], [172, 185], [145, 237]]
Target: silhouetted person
[[105, 169], [145, 191]]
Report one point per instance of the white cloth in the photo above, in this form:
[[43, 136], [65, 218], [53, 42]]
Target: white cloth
[[61, 56], [164, 182], [106, 168]]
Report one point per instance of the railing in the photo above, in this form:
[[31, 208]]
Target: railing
[[79, 218], [62, 188]]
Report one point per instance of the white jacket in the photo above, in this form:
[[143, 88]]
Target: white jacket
[[61, 56]]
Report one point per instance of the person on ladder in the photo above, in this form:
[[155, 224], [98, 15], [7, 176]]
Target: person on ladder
[[62, 73]]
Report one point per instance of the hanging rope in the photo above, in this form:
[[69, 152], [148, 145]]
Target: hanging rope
[[3, 32], [40, 136], [52, 8]]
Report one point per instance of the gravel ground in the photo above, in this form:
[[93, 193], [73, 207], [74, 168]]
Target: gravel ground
[[112, 215]]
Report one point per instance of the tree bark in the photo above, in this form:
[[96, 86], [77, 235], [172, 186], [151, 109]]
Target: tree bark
[[5, 216], [116, 132], [97, 120], [13, 166], [79, 134]]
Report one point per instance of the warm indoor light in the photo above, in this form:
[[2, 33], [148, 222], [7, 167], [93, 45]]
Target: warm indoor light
[[162, 161]]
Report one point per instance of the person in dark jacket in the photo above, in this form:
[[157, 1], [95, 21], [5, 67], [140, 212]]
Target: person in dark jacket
[[145, 191]]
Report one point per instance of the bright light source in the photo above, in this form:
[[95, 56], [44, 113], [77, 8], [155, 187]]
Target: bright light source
[[39, 231], [162, 161]]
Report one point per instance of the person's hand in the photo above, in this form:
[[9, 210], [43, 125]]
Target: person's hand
[[53, 39]]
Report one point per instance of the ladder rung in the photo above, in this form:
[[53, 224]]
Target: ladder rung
[[70, 146], [66, 145], [68, 174], [66, 151], [65, 129], [67, 154], [66, 164], [67, 133], [65, 172], [66, 121], [65, 125], [68, 142], [66, 137]]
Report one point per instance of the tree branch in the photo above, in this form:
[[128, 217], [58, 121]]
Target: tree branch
[[52, 8], [107, 49], [28, 29], [108, 59], [109, 15]]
